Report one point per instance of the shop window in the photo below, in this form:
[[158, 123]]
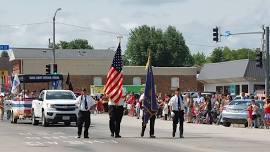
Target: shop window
[[137, 81], [97, 81], [174, 83], [245, 88]]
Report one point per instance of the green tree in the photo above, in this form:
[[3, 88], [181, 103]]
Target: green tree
[[4, 54], [74, 44], [199, 58], [217, 55], [141, 39], [176, 47], [245, 53], [168, 48]]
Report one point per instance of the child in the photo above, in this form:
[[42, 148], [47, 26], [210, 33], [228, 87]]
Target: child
[[249, 115]]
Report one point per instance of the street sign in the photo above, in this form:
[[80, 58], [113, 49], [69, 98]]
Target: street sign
[[227, 33], [4, 47]]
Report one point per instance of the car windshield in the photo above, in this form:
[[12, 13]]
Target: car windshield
[[59, 95], [239, 102]]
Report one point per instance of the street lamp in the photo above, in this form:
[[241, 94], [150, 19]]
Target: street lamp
[[54, 34]]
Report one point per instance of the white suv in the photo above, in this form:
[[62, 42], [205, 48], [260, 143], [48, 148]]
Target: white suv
[[55, 106]]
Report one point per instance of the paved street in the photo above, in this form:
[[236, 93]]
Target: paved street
[[201, 138]]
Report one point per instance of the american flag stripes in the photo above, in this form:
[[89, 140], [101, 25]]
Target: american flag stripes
[[114, 85]]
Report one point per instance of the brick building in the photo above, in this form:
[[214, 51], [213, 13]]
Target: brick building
[[90, 67]]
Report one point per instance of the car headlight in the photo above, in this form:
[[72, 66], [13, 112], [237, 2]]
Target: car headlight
[[50, 105]]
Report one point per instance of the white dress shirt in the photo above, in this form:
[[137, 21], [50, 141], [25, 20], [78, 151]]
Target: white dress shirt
[[174, 103], [121, 102], [81, 104]]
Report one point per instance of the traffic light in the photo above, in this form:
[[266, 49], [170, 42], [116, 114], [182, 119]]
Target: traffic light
[[54, 68], [259, 59], [48, 69], [215, 34]]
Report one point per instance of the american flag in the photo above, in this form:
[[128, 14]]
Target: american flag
[[114, 85]]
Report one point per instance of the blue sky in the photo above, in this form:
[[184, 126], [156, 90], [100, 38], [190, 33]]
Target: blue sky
[[194, 18]]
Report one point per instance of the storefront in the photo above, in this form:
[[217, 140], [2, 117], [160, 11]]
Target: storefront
[[232, 77]]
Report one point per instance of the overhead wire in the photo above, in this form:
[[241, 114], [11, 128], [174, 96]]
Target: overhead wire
[[25, 24], [93, 29], [90, 28]]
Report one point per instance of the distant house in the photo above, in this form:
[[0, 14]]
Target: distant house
[[90, 67], [232, 77]]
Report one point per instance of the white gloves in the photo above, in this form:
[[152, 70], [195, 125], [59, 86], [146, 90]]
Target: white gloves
[[172, 114]]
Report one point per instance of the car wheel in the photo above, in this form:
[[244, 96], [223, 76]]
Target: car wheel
[[246, 124], [11, 117], [34, 121], [226, 124], [44, 121]]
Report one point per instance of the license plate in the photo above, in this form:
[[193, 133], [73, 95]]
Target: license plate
[[65, 117]]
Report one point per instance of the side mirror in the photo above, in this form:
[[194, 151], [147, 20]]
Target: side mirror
[[40, 99]]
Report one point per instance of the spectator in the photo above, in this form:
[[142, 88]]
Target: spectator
[[189, 103], [200, 99], [100, 108], [165, 110], [243, 96], [249, 115], [2, 106], [138, 108], [209, 109], [267, 113], [160, 106], [254, 113]]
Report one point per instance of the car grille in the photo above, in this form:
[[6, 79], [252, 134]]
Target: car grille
[[236, 110], [65, 107]]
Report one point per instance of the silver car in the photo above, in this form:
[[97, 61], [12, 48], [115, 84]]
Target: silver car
[[236, 112]]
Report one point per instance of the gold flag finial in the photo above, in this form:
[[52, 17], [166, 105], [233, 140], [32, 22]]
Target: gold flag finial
[[149, 59]]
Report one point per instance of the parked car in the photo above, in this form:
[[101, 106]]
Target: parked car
[[55, 106], [236, 112]]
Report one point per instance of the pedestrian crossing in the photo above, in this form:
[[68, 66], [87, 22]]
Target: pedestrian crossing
[[60, 139]]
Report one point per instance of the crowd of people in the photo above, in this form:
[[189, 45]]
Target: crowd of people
[[204, 109]]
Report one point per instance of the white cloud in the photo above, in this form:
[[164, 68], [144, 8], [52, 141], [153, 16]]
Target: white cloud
[[129, 26], [150, 2], [195, 19]]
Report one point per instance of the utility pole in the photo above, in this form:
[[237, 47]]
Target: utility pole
[[54, 34], [267, 62]]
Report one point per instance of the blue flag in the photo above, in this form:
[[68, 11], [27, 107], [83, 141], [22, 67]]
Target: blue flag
[[150, 101]]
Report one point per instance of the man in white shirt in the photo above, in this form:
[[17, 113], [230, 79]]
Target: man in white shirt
[[115, 114], [177, 107], [85, 102]]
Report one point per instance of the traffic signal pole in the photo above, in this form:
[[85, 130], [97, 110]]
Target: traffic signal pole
[[265, 36], [267, 62]]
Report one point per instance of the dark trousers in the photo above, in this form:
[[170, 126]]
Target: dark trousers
[[165, 116], [83, 118], [178, 118], [209, 113], [116, 114], [152, 126]]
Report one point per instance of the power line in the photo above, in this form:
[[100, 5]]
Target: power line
[[90, 28], [26, 24]]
